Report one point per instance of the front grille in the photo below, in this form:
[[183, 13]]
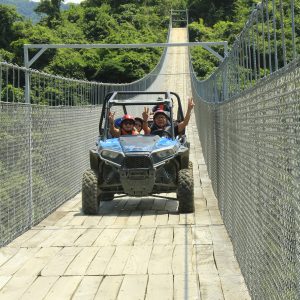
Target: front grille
[[137, 162]]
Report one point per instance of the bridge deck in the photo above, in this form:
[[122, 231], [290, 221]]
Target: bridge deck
[[134, 249]]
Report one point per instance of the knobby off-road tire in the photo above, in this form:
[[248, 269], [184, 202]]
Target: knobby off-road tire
[[90, 193], [185, 191]]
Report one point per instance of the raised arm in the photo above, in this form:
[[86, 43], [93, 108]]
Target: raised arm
[[187, 117], [145, 116], [115, 132]]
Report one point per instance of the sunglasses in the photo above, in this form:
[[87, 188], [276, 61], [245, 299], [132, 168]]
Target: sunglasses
[[128, 123]]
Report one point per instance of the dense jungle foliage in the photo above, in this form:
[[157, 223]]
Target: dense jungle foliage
[[227, 23], [111, 21], [216, 20], [93, 21]]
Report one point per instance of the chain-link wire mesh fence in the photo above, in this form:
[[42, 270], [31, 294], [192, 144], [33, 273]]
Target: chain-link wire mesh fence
[[250, 134], [43, 151]]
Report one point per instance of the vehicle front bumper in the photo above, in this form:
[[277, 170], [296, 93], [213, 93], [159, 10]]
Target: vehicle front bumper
[[137, 182]]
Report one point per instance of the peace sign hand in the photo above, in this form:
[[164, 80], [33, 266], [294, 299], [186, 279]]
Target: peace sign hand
[[111, 117], [191, 103], [145, 114]]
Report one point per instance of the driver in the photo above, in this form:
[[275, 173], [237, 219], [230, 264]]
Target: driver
[[161, 121], [126, 126]]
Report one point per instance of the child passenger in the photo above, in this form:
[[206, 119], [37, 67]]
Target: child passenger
[[126, 126], [139, 125]]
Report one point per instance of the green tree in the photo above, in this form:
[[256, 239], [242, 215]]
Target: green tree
[[95, 3], [51, 8], [6, 56], [37, 34], [8, 16], [67, 62], [98, 23], [211, 11], [74, 14]]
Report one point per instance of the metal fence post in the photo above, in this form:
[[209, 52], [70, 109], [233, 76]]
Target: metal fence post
[[27, 101], [27, 79]]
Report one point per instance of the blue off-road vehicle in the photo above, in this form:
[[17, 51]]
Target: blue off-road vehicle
[[139, 165]]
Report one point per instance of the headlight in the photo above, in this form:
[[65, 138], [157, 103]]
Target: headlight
[[161, 155], [109, 154], [112, 156]]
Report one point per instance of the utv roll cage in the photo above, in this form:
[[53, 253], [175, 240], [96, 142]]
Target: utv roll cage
[[111, 100]]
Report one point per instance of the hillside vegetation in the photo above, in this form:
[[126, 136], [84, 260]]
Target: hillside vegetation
[[93, 21], [26, 8]]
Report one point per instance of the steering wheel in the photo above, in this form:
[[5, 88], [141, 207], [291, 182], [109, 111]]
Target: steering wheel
[[161, 133]]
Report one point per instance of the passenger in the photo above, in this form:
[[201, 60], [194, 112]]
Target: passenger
[[118, 122], [164, 107], [126, 126], [161, 120], [139, 125]]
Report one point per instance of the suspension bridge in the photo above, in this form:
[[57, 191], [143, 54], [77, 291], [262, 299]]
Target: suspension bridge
[[242, 241]]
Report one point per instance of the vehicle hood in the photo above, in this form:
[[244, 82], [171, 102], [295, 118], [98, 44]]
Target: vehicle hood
[[138, 143]]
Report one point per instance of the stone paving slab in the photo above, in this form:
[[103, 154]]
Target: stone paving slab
[[135, 248]]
